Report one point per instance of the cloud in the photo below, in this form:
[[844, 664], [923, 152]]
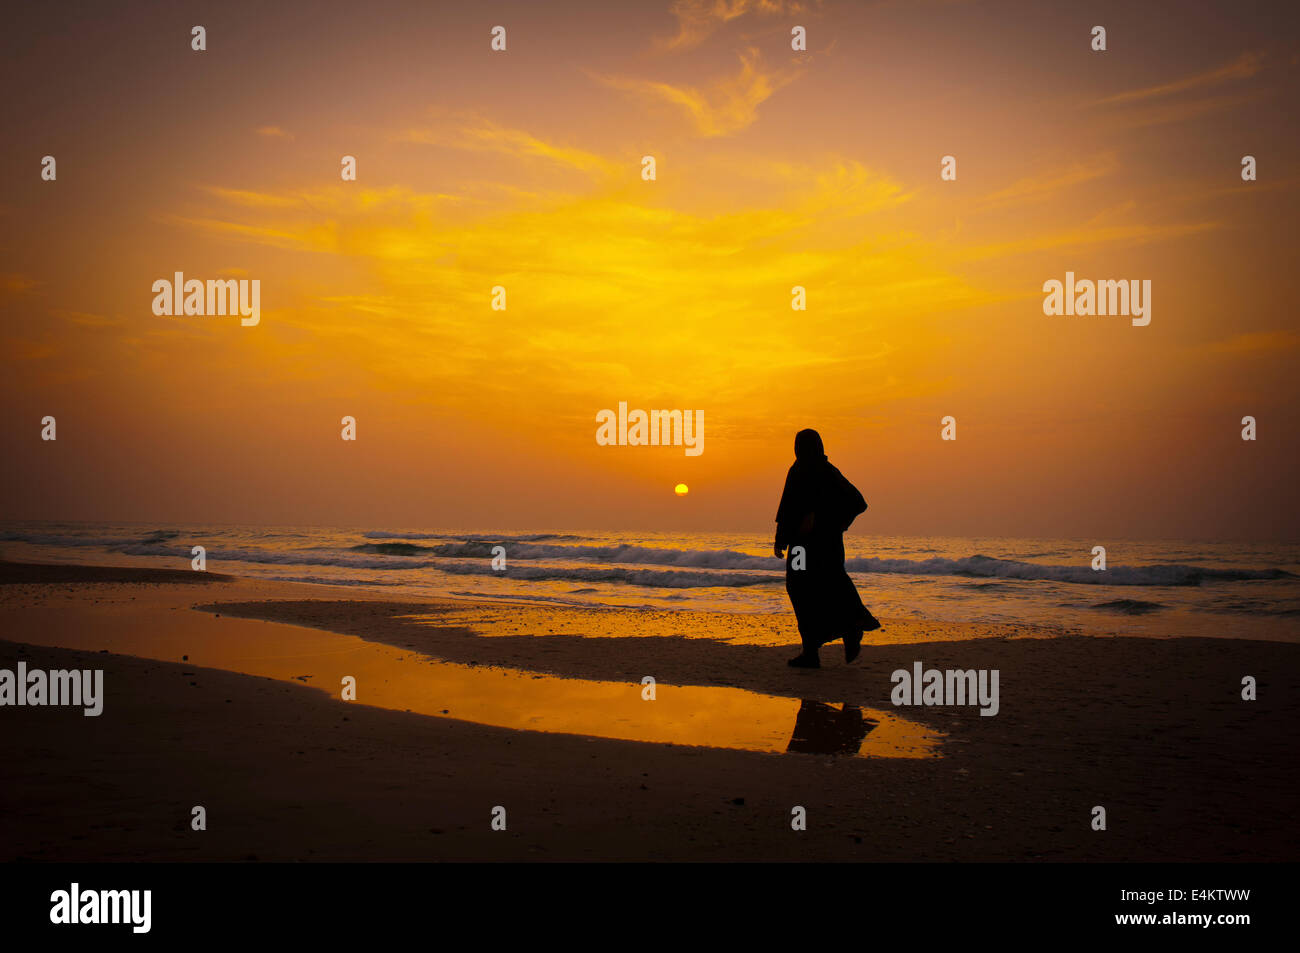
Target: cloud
[[1156, 114], [728, 106], [1037, 188], [1244, 67], [1165, 103], [335, 199], [1257, 342], [256, 199], [698, 19], [486, 136], [88, 319], [609, 284], [303, 237], [1080, 237], [13, 283], [274, 132]]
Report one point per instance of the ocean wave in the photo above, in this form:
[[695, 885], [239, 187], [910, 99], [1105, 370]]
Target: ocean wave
[[1254, 607], [663, 578], [392, 549], [978, 566], [332, 581], [528, 597], [524, 538], [76, 539], [623, 553], [711, 567], [1129, 606], [279, 558], [988, 567], [656, 578]]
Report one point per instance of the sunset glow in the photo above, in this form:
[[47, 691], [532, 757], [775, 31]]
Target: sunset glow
[[524, 171]]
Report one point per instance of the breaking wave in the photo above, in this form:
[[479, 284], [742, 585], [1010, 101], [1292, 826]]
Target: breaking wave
[[1129, 606], [629, 564]]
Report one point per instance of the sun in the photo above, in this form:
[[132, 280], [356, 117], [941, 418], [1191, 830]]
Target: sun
[[681, 489]]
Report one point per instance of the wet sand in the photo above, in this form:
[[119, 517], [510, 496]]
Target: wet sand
[[1154, 730]]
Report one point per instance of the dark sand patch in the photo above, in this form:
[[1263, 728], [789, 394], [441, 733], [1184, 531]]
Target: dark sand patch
[[1153, 729], [42, 573]]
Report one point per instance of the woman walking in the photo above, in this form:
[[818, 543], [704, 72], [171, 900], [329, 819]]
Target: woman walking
[[817, 506]]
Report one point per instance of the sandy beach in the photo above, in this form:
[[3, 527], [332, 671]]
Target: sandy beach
[[225, 692]]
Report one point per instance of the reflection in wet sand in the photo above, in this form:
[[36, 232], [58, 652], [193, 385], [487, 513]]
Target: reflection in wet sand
[[823, 729], [399, 679]]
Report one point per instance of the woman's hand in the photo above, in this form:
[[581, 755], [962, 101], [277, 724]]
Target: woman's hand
[[780, 552]]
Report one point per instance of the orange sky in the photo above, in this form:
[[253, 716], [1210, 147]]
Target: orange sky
[[775, 168]]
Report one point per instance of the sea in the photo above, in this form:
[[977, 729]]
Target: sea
[[1166, 588]]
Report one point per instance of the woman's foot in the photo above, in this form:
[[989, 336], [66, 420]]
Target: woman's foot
[[804, 660], [852, 646]]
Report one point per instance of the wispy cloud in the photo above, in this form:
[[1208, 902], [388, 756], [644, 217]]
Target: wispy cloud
[[486, 136], [88, 319], [13, 283], [274, 132], [1244, 67], [1187, 98], [727, 106], [611, 283], [698, 19], [1160, 113], [334, 199], [1258, 342], [1118, 235], [1041, 187], [300, 238]]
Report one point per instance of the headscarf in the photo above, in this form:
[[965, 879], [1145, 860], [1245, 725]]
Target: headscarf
[[808, 447], [815, 485]]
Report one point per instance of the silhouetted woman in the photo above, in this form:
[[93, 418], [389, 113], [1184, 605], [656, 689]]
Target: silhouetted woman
[[817, 506]]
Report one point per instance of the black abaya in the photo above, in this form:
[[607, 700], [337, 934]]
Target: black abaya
[[817, 506]]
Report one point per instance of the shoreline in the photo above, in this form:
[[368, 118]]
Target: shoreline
[[1151, 728], [1163, 588]]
